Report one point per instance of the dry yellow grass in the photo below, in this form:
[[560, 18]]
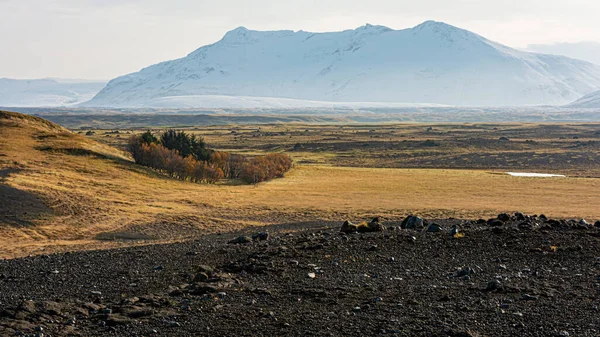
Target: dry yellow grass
[[98, 191]]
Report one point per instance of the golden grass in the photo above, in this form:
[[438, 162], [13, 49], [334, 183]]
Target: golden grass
[[102, 191]]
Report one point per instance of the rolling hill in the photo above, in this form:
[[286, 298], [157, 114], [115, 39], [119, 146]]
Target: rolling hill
[[433, 63]]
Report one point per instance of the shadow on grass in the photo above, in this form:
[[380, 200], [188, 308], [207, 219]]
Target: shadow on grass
[[19, 208]]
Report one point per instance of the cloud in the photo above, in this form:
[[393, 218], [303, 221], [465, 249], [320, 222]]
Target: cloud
[[106, 38]]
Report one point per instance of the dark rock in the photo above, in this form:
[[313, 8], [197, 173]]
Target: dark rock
[[434, 228], [348, 228], [528, 297], [493, 285], [597, 224], [240, 239], [413, 222], [118, 320], [465, 271], [201, 277], [262, 236], [495, 222], [503, 217]]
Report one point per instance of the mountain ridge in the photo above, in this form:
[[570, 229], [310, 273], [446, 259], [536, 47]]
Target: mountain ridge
[[589, 101], [431, 63]]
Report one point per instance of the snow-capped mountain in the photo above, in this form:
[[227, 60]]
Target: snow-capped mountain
[[46, 92], [430, 63], [590, 101]]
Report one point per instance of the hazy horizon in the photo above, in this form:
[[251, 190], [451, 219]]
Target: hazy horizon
[[101, 40]]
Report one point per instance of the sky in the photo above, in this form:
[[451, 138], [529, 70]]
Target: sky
[[103, 39]]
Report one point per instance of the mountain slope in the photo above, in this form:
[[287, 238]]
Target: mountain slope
[[46, 92], [587, 51], [590, 101], [430, 63]]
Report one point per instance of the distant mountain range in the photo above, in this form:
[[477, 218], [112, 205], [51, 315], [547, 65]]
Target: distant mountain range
[[432, 63], [47, 92], [591, 101], [587, 51]]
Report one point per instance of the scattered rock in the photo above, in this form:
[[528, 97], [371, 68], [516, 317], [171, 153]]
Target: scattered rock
[[311, 275]]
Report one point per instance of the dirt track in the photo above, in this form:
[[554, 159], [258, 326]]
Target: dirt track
[[524, 277]]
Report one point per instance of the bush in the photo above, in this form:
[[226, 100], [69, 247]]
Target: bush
[[186, 145], [148, 151]]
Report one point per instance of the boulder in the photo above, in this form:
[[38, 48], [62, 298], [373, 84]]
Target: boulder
[[434, 228], [413, 222], [503, 217], [262, 236], [348, 227]]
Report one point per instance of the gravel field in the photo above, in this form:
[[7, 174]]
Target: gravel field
[[514, 275]]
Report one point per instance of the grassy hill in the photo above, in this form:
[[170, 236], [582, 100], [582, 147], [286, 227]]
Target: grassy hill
[[63, 191]]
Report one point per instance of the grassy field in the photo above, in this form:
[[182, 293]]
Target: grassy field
[[63, 191], [572, 149]]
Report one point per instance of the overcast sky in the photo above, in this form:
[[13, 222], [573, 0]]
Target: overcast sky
[[102, 39]]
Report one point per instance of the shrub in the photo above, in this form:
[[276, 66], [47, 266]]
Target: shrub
[[147, 151]]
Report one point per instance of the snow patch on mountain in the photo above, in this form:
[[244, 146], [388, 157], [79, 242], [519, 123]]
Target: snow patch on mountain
[[430, 63], [591, 101]]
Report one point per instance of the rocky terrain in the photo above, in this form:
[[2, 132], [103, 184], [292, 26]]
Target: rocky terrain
[[511, 275]]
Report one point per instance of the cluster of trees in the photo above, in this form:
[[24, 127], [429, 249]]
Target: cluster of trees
[[187, 157]]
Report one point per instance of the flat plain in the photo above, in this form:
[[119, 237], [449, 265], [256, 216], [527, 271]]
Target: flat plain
[[65, 190]]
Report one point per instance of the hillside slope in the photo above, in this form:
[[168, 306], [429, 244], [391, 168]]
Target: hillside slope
[[431, 63], [46, 92], [590, 101]]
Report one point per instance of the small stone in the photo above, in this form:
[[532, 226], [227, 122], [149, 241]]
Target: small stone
[[465, 271], [294, 262], [597, 224], [311, 275], [54, 271], [157, 268], [221, 294], [583, 222], [201, 277], [563, 334], [356, 309], [528, 297], [493, 285], [173, 324]]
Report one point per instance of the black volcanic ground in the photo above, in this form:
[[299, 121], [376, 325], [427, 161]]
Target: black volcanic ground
[[525, 276]]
